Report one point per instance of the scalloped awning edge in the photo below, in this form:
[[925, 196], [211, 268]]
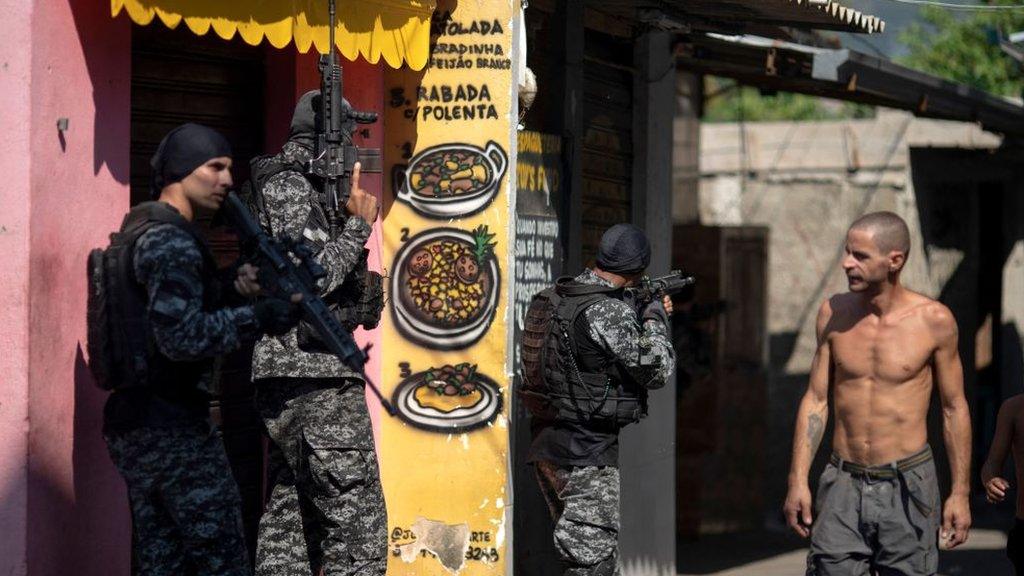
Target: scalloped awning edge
[[360, 31]]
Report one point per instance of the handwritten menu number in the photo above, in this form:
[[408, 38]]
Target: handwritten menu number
[[405, 235], [407, 150], [482, 554], [404, 369]]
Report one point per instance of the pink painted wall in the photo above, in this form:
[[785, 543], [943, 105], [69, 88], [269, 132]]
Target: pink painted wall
[[78, 520], [15, 204], [63, 508]]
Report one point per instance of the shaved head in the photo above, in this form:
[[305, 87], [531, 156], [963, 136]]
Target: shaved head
[[888, 230]]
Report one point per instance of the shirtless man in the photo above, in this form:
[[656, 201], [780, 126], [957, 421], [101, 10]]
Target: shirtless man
[[880, 348], [1009, 434]]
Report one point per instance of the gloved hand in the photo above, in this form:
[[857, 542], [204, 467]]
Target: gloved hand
[[246, 282], [276, 316], [658, 310]]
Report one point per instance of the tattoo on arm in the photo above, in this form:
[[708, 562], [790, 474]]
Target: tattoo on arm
[[815, 430]]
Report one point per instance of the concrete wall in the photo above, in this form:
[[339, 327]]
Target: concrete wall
[[1012, 353], [689, 97], [647, 462]]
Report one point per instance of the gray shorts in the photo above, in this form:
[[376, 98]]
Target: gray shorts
[[879, 519]]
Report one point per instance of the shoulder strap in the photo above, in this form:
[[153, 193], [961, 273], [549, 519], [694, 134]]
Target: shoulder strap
[[142, 217], [263, 168], [568, 287], [576, 297]]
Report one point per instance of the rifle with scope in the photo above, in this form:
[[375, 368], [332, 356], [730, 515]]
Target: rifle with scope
[[334, 154], [651, 289]]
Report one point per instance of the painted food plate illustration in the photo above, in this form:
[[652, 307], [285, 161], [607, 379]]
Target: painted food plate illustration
[[444, 289], [448, 399], [451, 180]]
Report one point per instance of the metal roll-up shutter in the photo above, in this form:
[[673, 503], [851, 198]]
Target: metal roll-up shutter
[[179, 77], [608, 136]]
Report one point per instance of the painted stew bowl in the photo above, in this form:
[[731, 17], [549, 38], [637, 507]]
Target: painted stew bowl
[[451, 180]]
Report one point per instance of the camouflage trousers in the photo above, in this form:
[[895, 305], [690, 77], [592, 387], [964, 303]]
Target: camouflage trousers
[[186, 510], [584, 503], [326, 509]]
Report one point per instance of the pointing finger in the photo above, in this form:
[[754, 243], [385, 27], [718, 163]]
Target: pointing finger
[[356, 169]]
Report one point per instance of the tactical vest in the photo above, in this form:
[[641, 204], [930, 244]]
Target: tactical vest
[[122, 353], [359, 301], [566, 376]]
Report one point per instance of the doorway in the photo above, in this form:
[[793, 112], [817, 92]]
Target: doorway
[[179, 77]]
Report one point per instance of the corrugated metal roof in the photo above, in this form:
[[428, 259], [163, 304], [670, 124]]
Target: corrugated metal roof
[[723, 15], [846, 75], [769, 18]]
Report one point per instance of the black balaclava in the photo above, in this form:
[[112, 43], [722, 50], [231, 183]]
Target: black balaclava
[[307, 119], [624, 249], [184, 149]]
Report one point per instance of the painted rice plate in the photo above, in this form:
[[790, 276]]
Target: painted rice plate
[[449, 399]]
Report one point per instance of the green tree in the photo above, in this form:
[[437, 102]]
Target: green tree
[[963, 49], [728, 102]]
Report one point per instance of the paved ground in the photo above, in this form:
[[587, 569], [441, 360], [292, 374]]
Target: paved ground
[[777, 553]]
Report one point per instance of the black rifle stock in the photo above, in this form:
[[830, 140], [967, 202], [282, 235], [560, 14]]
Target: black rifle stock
[[280, 276], [334, 155]]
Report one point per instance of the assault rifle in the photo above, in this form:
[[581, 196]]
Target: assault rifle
[[281, 276], [334, 155], [649, 290]]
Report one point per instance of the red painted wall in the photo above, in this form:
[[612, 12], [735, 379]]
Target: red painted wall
[[80, 59]]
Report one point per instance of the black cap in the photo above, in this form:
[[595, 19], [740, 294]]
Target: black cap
[[624, 249], [182, 150]]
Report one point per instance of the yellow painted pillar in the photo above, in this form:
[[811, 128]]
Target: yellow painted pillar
[[447, 156]]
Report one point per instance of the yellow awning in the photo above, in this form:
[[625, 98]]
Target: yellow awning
[[397, 30]]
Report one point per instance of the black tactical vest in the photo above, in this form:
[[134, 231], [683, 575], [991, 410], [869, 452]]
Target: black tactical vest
[[567, 376], [143, 363], [359, 300]]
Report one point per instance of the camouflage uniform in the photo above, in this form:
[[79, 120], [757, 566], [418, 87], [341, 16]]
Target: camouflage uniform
[[185, 504], [584, 501], [577, 465], [326, 507]]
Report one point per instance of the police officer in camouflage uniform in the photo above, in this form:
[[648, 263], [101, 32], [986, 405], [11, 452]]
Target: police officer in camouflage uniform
[[185, 504], [588, 360], [326, 510]]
